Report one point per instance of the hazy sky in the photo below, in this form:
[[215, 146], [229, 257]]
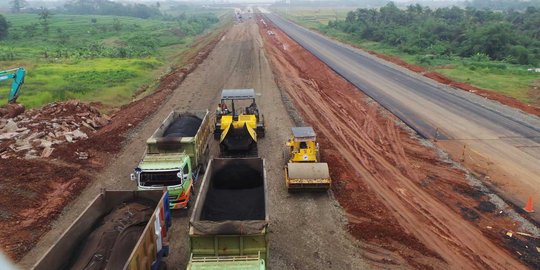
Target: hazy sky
[[382, 1]]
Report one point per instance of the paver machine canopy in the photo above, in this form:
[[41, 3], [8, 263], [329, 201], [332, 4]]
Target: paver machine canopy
[[238, 123], [304, 169]]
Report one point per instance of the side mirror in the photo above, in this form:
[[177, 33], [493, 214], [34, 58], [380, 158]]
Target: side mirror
[[133, 177]]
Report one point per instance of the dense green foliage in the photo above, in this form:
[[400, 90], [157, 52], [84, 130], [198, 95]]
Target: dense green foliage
[[3, 27], [93, 57], [510, 36], [107, 7], [73, 36], [513, 80]]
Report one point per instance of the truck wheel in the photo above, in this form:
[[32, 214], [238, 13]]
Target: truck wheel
[[191, 197], [205, 159], [162, 266], [217, 134], [260, 132]]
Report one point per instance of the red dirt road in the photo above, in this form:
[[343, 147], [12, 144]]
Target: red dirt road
[[398, 193]]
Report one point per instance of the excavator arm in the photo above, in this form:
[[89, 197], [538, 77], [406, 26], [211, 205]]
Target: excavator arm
[[17, 75]]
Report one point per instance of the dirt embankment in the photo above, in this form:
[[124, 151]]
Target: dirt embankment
[[399, 194], [40, 187]]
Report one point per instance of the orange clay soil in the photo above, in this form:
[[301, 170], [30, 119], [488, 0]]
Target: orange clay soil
[[398, 193], [36, 191]]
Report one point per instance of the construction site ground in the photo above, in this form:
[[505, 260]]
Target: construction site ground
[[396, 202], [313, 239]]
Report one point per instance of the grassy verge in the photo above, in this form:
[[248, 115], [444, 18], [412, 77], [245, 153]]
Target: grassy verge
[[95, 58], [508, 79]]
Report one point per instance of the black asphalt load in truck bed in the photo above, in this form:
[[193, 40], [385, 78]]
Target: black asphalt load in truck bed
[[184, 126], [109, 245], [235, 193]]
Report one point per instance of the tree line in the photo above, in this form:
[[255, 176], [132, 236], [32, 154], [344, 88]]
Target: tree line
[[502, 4], [95, 7], [107, 7], [512, 36]]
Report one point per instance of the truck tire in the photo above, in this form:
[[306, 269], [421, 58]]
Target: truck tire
[[260, 132], [191, 198], [205, 158]]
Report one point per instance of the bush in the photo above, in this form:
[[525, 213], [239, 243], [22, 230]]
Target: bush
[[480, 57], [3, 27], [520, 55]]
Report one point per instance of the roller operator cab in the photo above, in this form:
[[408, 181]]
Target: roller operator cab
[[238, 123]]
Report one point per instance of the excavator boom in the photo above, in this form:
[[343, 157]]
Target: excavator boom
[[17, 75]]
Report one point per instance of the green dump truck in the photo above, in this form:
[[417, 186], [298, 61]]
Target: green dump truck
[[228, 226], [118, 230], [175, 154]]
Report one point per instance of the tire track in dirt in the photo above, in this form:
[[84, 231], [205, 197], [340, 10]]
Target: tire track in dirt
[[369, 149]]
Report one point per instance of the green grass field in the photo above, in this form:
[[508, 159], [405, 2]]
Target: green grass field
[[316, 16], [92, 58], [508, 79]]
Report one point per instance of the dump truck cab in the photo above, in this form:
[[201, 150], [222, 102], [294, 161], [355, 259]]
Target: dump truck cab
[[304, 171], [175, 154], [167, 170], [238, 123]]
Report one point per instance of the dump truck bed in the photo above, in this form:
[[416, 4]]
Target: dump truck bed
[[142, 248], [230, 217], [182, 131]]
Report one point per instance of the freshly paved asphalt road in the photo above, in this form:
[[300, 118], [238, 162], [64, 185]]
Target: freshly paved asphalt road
[[507, 138]]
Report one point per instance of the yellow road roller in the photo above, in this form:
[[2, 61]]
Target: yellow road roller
[[303, 170]]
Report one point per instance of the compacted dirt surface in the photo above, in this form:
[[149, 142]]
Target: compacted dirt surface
[[307, 231], [42, 187], [399, 192], [396, 202], [497, 141]]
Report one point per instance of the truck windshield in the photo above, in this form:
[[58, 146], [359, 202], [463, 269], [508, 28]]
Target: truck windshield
[[168, 178]]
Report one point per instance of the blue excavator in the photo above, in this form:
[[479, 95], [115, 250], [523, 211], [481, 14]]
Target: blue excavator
[[17, 75]]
